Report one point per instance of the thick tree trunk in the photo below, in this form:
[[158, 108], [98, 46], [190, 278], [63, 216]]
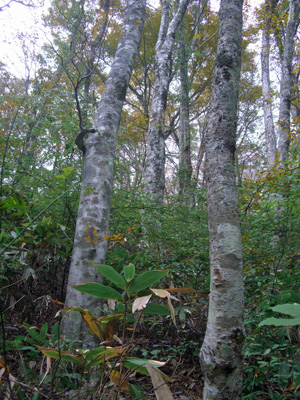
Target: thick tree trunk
[[99, 151], [266, 88], [287, 81], [155, 151], [221, 354]]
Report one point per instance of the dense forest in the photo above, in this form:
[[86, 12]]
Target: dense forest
[[149, 203]]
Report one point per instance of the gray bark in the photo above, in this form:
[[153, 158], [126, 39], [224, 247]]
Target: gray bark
[[270, 137], [99, 147], [221, 354], [287, 81], [154, 178], [185, 162]]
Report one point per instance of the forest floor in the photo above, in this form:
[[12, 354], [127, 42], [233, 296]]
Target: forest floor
[[155, 339]]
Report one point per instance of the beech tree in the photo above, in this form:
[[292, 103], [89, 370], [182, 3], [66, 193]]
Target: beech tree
[[286, 81], [98, 146], [221, 354], [270, 137], [155, 150]]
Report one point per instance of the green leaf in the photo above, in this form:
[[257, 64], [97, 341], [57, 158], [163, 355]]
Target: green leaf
[[139, 364], [98, 290], [156, 309], [135, 392], [111, 274], [289, 309], [62, 355], [280, 322], [44, 331], [32, 332], [129, 272], [297, 381], [65, 173], [102, 354], [146, 279]]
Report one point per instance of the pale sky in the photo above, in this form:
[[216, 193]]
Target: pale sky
[[22, 24]]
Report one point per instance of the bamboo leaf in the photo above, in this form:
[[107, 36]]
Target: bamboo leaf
[[139, 364], [145, 280], [104, 354], [98, 290], [62, 355], [157, 309], [129, 272], [111, 274]]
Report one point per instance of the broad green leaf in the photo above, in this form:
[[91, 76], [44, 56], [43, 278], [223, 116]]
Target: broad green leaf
[[157, 309], [129, 272], [289, 309], [98, 290], [62, 355], [111, 274], [145, 280], [280, 322]]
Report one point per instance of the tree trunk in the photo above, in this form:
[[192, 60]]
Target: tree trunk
[[99, 147], [221, 354], [185, 162], [155, 151], [266, 87], [287, 81]]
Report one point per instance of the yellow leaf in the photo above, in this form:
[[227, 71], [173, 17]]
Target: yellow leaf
[[119, 380]]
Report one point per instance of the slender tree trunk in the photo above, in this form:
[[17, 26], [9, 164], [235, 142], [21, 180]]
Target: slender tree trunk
[[91, 66], [186, 48], [155, 148], [221, 354], [99, 151], [266, 87], [287, 81], [185, 162]]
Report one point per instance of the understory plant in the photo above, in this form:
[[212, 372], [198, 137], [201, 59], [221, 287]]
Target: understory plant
[[110, 368]]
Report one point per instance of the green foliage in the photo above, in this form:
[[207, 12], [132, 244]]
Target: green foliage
[[104, 328], [272, 279], [289, 309]]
